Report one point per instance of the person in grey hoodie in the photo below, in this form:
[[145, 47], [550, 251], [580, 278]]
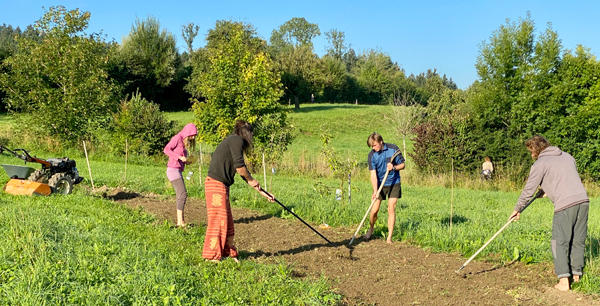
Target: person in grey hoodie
[[555, 172]]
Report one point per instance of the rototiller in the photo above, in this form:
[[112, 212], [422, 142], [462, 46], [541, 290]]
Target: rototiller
[[57, 175]]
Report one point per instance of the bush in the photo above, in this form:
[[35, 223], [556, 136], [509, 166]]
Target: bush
[[141, 123]]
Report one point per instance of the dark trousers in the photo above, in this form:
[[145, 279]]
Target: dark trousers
[[569, 230]]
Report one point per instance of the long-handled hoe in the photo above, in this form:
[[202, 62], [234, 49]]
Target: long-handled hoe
[[373, 201], [297, 217], [537, 195]]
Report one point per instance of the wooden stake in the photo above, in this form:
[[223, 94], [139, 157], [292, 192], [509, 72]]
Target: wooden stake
[[200, 164], [452, 197], [264, 170], [88, 165], [404, 145], [126, 155], [349, 187]]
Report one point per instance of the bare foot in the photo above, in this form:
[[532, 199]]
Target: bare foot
[[575, 278], [235, 259], [389, 241], [182, 225], [368, 234], [213, 260], [563, 284]]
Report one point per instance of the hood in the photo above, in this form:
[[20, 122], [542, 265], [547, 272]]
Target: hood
[[551, 151], [188, 130]]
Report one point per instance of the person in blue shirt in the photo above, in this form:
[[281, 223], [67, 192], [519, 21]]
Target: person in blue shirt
[[379, 162]]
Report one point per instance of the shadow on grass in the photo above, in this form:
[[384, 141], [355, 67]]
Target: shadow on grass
[[456, 219], [122, 195], [313, 107]]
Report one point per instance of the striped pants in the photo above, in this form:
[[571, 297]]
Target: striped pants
[[218, 242]]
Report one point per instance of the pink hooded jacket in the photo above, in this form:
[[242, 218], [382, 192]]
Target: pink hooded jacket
[[175, 148]]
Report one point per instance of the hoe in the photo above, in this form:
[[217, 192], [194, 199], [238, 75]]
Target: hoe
[[57, 175]]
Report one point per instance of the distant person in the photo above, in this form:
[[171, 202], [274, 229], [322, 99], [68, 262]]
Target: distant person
[[178, 149], [312, 98], [227, 160], [379, 162], [556, 172], [487, 168]]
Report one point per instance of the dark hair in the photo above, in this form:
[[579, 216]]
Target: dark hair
[[374, 137], [245, 130], [536, 145]]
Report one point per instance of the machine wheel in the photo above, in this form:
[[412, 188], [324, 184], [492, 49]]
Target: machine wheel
[[61, 183], [38, 176]]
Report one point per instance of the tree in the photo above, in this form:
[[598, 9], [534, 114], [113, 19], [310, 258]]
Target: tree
[[238, 82], [337, 46], [299, 72], [150, 51], [189, 33], [332, 78], [291, 46], [379, 77], [148, 62], [295, 32], [60, 81], [405, 119]]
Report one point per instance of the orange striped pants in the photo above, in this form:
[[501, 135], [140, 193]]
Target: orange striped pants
[[218, 242]]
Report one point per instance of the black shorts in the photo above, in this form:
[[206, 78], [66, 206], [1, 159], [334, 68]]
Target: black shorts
[[387, 192]]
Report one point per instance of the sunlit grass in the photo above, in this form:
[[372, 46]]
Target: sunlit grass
[[79, 249]]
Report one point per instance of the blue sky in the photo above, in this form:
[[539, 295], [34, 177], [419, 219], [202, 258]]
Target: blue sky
[[445, 35]]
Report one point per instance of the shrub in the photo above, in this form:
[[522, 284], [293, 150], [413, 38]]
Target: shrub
[[142, 124]]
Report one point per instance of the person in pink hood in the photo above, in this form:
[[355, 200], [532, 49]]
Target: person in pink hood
[[177, 150]]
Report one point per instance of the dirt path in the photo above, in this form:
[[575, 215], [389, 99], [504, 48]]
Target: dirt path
[[378, 273]]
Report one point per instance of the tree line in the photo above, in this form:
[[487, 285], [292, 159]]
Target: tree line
[[71, 84], [528, 84]]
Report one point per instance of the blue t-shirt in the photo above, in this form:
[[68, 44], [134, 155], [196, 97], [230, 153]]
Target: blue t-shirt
[[378, 161]]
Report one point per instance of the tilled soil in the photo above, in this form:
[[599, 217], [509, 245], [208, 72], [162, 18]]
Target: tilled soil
[[374, 272]]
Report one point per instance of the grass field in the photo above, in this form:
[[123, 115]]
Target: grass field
[[423, 213]]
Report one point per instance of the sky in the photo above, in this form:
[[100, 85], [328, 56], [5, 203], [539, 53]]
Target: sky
[[418, 35]]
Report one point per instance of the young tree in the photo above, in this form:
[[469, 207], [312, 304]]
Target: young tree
[[60, 81], [237, 82]]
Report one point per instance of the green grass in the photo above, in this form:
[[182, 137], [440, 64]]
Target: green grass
[[349, 125], [423, 212], [79, 249]]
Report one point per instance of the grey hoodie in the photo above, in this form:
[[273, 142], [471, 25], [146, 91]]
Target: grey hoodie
[[556, 172]]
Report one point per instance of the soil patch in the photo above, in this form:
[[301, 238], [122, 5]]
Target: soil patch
[[375, 272]]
